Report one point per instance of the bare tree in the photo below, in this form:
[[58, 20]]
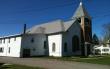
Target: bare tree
[[106, 36]]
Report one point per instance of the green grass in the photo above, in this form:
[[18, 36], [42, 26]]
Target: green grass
[[105, 60], [18, 67]]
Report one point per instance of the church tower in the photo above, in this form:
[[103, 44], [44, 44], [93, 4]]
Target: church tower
[[86, 27]]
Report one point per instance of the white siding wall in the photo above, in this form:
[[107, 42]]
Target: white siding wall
[[15, 47], [57, 39], [67, 37], [36, 47], [108, 45], [4, 46]]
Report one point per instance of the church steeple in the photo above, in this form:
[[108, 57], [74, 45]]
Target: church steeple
[[83, 18], [80, 12]]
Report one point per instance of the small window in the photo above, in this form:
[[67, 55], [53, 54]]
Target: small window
[[3, 40], [32, 40], [45, 45], [9, 40], [0, 41], [87, 21], [105, 50], [9, 50], [1, 49], [79, 20], [65, 47], [53, 47], [15, 39]]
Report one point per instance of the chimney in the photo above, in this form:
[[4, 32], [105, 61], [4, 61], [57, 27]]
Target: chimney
[[24, 29]]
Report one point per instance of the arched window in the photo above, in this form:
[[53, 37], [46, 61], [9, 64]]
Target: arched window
[[65, 47], [53, 47], [75, 43]]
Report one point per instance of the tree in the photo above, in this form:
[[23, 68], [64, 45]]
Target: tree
[[95, 39], [106, 32]]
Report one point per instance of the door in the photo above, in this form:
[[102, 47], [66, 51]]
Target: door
[[26, 52], [75, 43]]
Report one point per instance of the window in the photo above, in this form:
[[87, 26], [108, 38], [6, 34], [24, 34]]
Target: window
[[105, 50], [87, 21], [15, 39], [3, 40], [1, 49], [0, 41], [65, 47], [79, 20], [9, 40], [45, 46], [53, 47], [32, 40], [9, 50]]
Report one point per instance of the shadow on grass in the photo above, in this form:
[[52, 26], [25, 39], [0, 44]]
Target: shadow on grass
[[3, 67]]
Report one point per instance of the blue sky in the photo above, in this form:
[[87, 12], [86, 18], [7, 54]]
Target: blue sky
[[14, 13]]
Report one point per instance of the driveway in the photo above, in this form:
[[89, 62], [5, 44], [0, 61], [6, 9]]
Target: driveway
[[52, 64]]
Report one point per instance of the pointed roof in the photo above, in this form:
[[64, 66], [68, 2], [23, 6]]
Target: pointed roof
[[81, 11]]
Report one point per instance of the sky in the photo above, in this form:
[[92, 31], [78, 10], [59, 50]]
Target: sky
[[15, 13]]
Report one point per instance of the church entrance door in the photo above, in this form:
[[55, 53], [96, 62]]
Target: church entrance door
[[75, 43]]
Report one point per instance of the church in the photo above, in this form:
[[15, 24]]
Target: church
[[56, 38]]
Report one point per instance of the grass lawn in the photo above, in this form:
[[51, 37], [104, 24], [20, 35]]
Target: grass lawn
[[105, 60], [18, 67]]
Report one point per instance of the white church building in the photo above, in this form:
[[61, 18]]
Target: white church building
[[56, 38]]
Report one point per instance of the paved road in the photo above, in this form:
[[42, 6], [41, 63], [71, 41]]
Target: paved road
[[52, 64]]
